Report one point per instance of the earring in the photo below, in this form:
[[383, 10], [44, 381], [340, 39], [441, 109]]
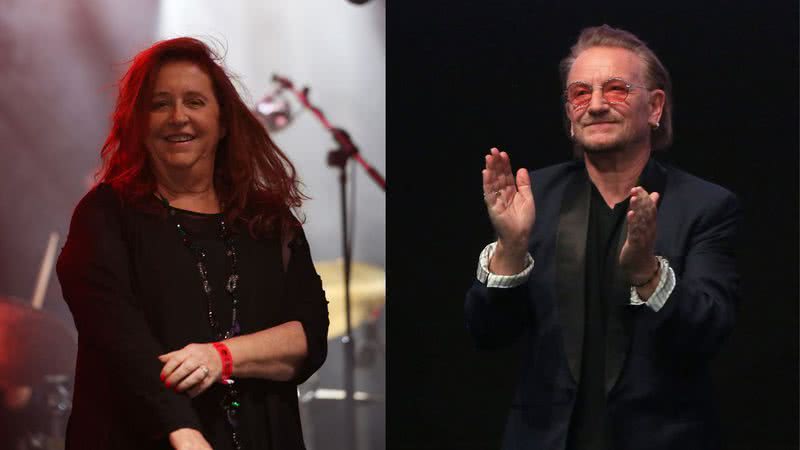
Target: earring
[[656, 125], [571, 130]]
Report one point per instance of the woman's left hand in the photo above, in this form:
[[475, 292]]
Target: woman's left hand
[[192, 369]]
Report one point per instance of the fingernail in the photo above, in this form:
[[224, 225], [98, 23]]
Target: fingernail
[[163, 377], [166, 383]]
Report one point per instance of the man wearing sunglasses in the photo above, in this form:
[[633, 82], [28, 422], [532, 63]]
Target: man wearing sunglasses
[[634, 285]]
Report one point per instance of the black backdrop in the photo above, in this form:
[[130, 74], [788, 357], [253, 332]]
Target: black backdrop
[[464, 76]]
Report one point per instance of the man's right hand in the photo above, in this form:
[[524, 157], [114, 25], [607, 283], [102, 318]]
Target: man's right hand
[[188, 439], [511, 210]]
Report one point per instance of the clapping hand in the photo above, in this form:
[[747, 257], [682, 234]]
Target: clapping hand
[[512, 211], [637, 257]]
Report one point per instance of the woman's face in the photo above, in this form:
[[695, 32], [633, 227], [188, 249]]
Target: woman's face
[[184, 120]]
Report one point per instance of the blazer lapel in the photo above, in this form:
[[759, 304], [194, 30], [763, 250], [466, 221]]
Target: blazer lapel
[[571, 267]]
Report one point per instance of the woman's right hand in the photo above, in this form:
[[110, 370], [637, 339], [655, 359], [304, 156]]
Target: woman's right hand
[[511, 208], [188, 439]]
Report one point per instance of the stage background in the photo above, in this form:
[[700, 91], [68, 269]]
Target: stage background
[[464, 76]]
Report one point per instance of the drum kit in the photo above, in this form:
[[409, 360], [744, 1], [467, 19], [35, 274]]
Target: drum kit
[[37, 363], [37, 360]]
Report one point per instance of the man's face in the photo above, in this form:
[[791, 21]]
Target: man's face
[[602, 125]]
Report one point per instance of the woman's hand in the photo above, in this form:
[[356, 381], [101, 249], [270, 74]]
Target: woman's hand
[[192, 369], [188, 439]]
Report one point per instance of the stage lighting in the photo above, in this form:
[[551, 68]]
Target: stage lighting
[[274, 112]]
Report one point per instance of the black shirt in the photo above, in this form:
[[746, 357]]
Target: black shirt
[[588, 427]]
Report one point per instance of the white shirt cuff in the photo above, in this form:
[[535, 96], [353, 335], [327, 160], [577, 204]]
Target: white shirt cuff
[[666, 283], [501, 281]]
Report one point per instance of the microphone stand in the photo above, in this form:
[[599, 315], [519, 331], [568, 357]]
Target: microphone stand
[[338, 158]]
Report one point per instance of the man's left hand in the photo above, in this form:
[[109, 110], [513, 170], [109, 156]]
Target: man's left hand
[[192, 369], [637, 258]]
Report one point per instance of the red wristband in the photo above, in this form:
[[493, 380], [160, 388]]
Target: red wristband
[[227, 361]]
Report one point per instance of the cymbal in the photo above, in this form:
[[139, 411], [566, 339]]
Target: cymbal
[[367, 293], [32, 344]]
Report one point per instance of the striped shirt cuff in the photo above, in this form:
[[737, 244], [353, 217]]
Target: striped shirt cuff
[[493, 280], [666, 283]]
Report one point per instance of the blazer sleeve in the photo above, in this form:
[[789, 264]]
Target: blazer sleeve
[[307, 305], [94, 273], [700, 312], [496, 317]]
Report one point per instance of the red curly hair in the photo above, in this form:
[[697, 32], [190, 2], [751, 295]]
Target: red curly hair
[[254, 179]]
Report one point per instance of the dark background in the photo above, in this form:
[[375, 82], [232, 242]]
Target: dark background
[[464, 76]]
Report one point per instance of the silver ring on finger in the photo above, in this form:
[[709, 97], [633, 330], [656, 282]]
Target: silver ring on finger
[[205, 370], [488, 194]]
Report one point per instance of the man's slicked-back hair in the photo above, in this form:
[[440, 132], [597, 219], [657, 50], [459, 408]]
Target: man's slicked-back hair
[[655, 76]]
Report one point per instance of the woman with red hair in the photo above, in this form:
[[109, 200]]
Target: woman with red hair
[[189, 279]]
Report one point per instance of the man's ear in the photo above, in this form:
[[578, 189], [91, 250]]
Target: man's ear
[[657, 100]]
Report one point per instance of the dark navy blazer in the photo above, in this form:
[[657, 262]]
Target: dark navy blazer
[[657, 382]]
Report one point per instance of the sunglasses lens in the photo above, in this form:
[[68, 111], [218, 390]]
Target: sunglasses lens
[[579, 94], [615, 91]]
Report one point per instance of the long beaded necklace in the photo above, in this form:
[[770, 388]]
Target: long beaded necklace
[[230, 401]]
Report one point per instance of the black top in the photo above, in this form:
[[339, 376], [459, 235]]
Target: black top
[[135, 293], [588, 427]]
